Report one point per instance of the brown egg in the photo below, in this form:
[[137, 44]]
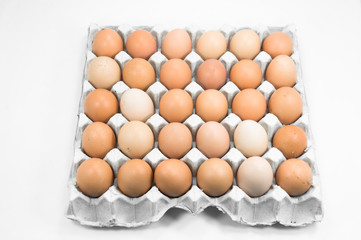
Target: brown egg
[[141, 44], [213, 140], [246, 74], [173, 177], [100, 105], [175, 140], [211, 74], [255, 176], [103, 72], [281, 72], [290, 140], [97, 140], [176, 105], [245, 44], [278, 43], [107, 42], [249, 104], [135, 139], [211, 105], [94, 177], [176, 44], [138, 73], [294, 176], [211, 44], [175, 73], [215, 177], [286, 104], [135, 178]]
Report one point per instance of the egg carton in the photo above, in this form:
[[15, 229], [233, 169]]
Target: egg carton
[[114, 208]]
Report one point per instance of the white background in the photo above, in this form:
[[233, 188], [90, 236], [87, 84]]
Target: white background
[[42, 54]]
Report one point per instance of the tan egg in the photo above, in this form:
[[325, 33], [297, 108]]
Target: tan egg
[[138, 73], [97, 140], [175, 73], [278, 43], [107, 42], [173, 177], [176, 44], [294, 176], [255, 176], [136, 104], [94, 177], [135, 178], [141, 44], [135, 139], [211, 105], [213, 140], [281, 72], [246, 74], [215, 177], [290, 140], [211, 74], [250, 138], [176, 105], [100, 105], [175, 140], [286, 104], [249, 104], [103, 72], [211, 44], [245, 44]]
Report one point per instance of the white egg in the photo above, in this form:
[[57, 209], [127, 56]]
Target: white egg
[[136, 105], [250, 138]]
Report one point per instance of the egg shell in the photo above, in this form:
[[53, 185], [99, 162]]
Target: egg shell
[[278, 43], [175, 73], [135, 139], [98, 139], [176, 105], [211, 105], [107, 42], [249, 104], [176, 44], [211, 74], [136, 105], [135, 178], [214, 177], [291, 140], [245, 44], [213, 140], [211, 45], [94, 177], [138, 73], [173, 177], [250, 138], [246, 74], [286, 104], [103, 72], [282, 72], [294, 176], [141, 44], [255, 176], [175, 140], [100, 105]]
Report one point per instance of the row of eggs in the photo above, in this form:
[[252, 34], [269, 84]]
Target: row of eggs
[[245, 44], [104, 72]]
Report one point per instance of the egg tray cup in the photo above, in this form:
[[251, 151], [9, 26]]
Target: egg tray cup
[[114, 208]]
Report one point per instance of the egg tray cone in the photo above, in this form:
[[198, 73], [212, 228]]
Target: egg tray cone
[[116, 209]]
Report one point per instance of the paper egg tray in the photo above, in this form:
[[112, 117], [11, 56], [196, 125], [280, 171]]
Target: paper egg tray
[[116, 209]]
